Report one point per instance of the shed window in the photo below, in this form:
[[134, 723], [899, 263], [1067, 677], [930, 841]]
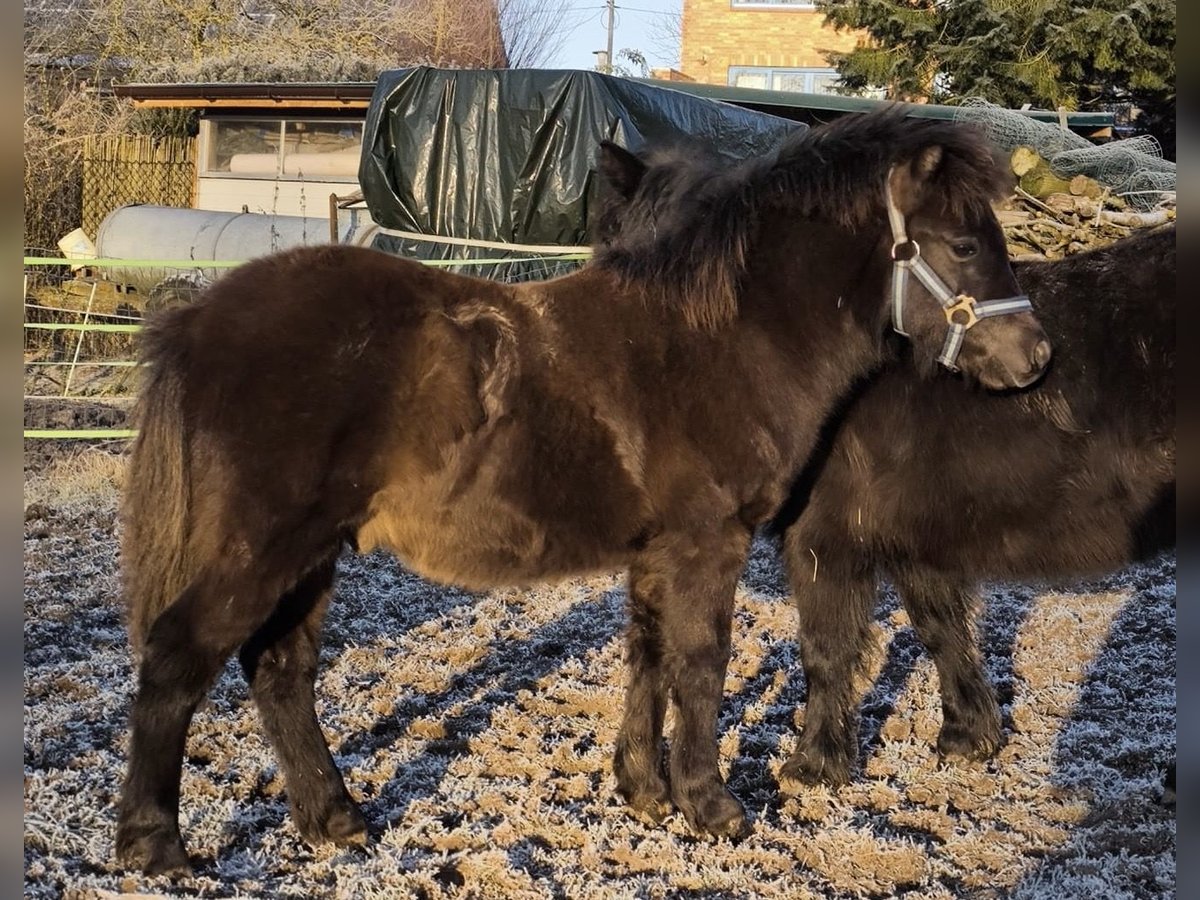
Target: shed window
[[311, 149]]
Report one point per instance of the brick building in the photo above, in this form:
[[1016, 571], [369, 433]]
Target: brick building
[[778, 45]]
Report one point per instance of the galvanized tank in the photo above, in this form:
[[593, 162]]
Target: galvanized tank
[[145, 232]]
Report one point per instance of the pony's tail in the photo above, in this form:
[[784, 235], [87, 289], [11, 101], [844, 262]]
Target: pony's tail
[[156, 512]]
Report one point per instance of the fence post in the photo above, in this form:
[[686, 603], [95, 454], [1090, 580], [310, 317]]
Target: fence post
[[79, 343]]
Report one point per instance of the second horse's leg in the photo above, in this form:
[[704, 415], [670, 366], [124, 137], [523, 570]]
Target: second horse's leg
[[835, 596], [943, 610], [280, 662]]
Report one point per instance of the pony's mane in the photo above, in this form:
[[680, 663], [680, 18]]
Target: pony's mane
[[685, 234]]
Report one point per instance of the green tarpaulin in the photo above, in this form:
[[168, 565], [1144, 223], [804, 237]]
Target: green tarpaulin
[[510, 155]]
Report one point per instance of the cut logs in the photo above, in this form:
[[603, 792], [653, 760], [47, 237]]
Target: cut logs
[[1052, 216]]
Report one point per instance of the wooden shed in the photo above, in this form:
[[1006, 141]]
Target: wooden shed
[[278, 149]]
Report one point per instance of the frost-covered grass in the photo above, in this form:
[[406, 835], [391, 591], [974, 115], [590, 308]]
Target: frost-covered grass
[[477, 732]]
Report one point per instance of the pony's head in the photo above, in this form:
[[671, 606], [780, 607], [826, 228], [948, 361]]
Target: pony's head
[[952, 291], [912, 196]]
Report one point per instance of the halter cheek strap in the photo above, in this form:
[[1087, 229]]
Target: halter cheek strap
[[962, 311]]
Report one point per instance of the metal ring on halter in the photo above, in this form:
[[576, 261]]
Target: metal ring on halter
[[908, 245]]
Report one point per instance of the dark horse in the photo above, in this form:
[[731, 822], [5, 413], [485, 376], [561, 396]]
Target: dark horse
[[647, 411], [940, 488]]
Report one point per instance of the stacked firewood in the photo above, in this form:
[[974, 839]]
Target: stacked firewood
[[1051, 217]]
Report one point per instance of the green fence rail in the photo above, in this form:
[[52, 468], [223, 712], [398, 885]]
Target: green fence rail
[[81, 326], [565, 256], [67, 434]]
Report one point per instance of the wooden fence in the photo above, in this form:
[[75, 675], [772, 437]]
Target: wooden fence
[[135, 168]]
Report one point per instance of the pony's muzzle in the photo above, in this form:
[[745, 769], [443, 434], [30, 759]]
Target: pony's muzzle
[[1007, 352], [1037, 361]]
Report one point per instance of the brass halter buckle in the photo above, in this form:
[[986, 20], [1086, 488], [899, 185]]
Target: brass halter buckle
[[964, 304]]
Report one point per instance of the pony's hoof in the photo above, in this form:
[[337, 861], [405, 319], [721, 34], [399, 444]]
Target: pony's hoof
[[643, 786], [157, 851], [720, 815], [805, 769], [959, 744], [648, 809], [347, 828], [343, 826]]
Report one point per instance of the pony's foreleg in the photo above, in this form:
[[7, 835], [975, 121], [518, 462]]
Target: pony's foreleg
[[943, 611], [835, 600], [280, 662], [638, 762], [687, 582], [184, 651]]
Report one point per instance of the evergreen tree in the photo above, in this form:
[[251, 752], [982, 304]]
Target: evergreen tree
[[1077, 54]]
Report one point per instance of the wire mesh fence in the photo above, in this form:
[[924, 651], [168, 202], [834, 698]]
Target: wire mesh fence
[[79, 372], [1133, 168]]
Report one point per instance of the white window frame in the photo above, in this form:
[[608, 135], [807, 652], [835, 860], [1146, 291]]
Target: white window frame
[[773, 4], [809, 72], [209, 124]]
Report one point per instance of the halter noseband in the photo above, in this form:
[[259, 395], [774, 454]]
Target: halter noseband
[[962, 311]]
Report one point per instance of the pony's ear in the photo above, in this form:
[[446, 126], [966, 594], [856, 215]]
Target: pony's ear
[[927, 161], [910, 179], [621, 169]]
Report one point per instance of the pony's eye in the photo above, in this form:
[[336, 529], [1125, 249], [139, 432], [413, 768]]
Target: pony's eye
[[964, 249]]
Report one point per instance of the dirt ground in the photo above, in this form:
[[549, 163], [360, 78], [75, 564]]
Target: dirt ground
[[477, 732]]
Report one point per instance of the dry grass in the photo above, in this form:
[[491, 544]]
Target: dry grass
[[84, 483], [477, 731]]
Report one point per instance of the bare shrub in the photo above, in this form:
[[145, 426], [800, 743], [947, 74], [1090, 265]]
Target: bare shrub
[[58, 116]]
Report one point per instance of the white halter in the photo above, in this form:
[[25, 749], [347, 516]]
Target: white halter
[[962, 310]]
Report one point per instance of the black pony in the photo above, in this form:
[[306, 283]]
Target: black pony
[[940, 488], [647, 412]]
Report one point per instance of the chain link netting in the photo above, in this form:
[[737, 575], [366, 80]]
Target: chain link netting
[[1132, 168]]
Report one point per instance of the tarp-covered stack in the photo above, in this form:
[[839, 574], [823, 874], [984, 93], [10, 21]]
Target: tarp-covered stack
[[508, 157], [501, 164]]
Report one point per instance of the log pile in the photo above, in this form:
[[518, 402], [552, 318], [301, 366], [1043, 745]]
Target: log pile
[[1050, 217]]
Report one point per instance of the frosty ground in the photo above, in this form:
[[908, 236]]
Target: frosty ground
[[477, 732]]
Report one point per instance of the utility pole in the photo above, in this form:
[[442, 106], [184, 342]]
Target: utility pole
[[608, 60]]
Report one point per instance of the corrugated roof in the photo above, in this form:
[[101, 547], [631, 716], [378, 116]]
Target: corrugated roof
[[249, 94]]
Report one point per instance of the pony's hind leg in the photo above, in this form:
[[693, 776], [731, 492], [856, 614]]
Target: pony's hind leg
[[185, 648], [638, 762], [834, 595], [280, 662], [686, 583], [942, 610]]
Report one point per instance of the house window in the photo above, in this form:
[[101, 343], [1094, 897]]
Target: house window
[[772, 4], [804, 81], [311, 149]]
